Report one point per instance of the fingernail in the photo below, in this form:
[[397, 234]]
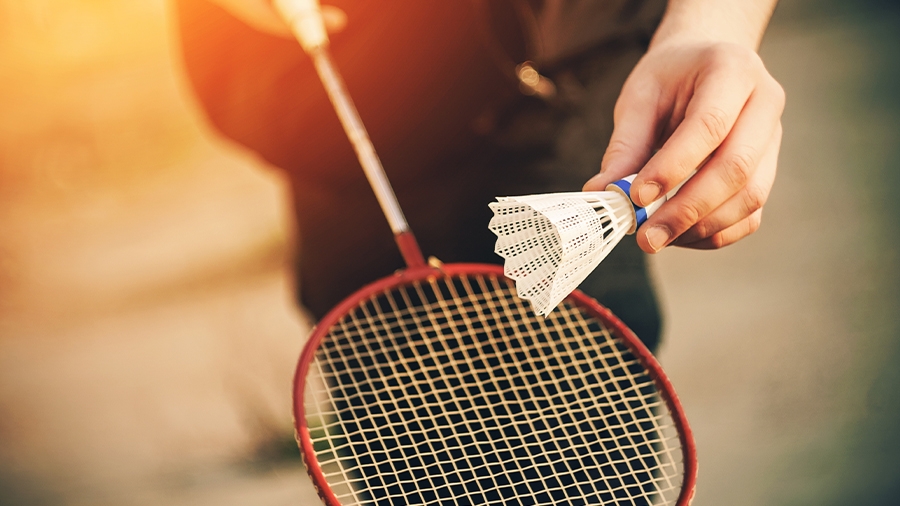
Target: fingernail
[[657, 237], [649, 192]]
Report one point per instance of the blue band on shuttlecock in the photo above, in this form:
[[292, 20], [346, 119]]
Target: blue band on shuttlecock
[[640, 214], [625, 186]]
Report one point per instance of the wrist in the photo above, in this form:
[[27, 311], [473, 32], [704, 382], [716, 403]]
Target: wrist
[[713, 21]]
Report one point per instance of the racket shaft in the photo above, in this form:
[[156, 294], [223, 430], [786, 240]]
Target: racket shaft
[[359, 138]]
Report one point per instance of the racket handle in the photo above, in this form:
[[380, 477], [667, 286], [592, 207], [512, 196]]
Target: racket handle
[[305, 20]]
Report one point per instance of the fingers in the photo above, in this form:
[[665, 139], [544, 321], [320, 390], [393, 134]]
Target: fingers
[[750, 199], [723, 111], [731, 234], [741, 169], [720, 93], [636, 118]]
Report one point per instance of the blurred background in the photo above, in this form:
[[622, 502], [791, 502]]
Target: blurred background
[[147, 329]]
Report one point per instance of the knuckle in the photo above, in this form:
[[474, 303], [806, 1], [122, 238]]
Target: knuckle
[[754, 222], [750, 60], [617, 147], [617, 152], [687, 213], [667, 179], [736, 232], [720, 54], [754, 198], [733, 57], [718, 241], [714, 122], [739, 167], [701, 230]]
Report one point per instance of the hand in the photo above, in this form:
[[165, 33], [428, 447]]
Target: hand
[[696, 102], [261, 15]]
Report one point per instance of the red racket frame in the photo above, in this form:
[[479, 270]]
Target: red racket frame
[[420, 271]]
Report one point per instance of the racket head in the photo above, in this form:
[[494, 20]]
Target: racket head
[[321, 444]]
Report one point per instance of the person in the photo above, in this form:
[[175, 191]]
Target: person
[[451, 95]]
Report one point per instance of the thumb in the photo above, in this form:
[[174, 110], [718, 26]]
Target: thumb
[[633, 138]]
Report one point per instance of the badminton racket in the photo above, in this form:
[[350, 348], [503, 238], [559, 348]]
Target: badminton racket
[[438, 385]]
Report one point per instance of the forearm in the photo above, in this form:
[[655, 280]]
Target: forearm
[[741, 22]]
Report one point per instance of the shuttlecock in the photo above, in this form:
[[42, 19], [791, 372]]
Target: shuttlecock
[[552, 242]]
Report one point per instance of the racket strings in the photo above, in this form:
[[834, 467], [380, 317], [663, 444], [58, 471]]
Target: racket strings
[[582, 376], [452, 392]]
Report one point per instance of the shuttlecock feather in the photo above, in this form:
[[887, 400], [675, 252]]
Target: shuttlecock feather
[[551, 242]]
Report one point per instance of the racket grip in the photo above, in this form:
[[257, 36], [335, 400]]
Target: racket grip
[[305, 19]]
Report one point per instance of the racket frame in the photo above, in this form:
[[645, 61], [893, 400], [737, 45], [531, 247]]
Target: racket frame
[[423, 272]]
